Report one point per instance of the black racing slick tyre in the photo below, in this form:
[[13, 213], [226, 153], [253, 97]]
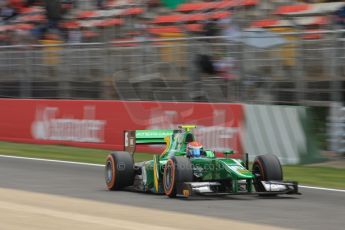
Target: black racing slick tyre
[[266, 168], [119, 170], [176, 171]]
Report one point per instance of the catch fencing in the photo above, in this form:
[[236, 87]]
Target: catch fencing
[[308, 68]]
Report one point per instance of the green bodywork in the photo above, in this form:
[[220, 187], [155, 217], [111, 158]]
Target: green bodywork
[[207, 168]]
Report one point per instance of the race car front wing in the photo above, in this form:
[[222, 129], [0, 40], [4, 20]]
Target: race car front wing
[[212, 188]]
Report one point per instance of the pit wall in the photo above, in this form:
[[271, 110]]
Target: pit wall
[[100, 124]]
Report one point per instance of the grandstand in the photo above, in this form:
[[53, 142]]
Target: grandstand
[[114, 19], [159, 50]]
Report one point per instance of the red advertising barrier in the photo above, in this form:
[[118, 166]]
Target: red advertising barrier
[[100, 124]]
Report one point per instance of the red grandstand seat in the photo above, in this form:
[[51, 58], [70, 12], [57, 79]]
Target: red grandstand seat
[[4, 28], [321, 20], [292, 8], [303, 21], [22, 26], [194, 27], [172, 18], [175, 18], [265, 23], [175, 29], [196, 6], [87, 14], [110, 22], [220, 15], [314, 35], [249, 2], [208, 16], [133, 11], [197, 17], [32, 18], [70, 24], [226, 4], [164, 29], [32, 10], [19, 5], [88, 23], [90, 34]]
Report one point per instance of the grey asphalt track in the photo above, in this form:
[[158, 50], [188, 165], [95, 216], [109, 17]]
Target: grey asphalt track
[[314, 209]]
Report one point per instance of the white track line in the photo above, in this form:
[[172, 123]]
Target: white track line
[[100, 165], [320, 188], [48, 160]]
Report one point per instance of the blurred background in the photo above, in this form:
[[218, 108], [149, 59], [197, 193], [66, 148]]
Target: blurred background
[[248, 51]]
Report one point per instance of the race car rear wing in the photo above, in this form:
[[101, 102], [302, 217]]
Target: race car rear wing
[[134, 137]]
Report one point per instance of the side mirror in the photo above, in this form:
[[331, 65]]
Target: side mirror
[[228, 152]]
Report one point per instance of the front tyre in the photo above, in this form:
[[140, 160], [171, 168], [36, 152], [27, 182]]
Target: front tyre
[[266, 168], [177, 170], [119, 170]]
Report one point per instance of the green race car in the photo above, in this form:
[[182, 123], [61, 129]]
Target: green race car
[[185, 168]]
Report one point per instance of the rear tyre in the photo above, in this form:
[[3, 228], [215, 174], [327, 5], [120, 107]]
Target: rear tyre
[[176, 171], [119, 170], [265, 168]]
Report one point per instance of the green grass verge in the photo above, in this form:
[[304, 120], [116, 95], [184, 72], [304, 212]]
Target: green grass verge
[[57, 152], [307, 175], [316, 176]]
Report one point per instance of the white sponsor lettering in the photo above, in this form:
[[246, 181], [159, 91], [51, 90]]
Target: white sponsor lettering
[[48, 126], [273, 187]]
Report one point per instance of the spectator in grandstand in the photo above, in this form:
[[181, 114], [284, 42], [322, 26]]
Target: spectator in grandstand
[[7, 11], [30, 2], [53, 13], [211, 28], [100, 4], [51, 55], [229, 28], [225, 68], [205, 64], [340, 17]]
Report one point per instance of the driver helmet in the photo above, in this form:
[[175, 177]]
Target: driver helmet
[[194, 149]]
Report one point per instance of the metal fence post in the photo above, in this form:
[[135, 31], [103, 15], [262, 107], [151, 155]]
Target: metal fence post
[[300, 73], [26, 80], [336, 84]]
